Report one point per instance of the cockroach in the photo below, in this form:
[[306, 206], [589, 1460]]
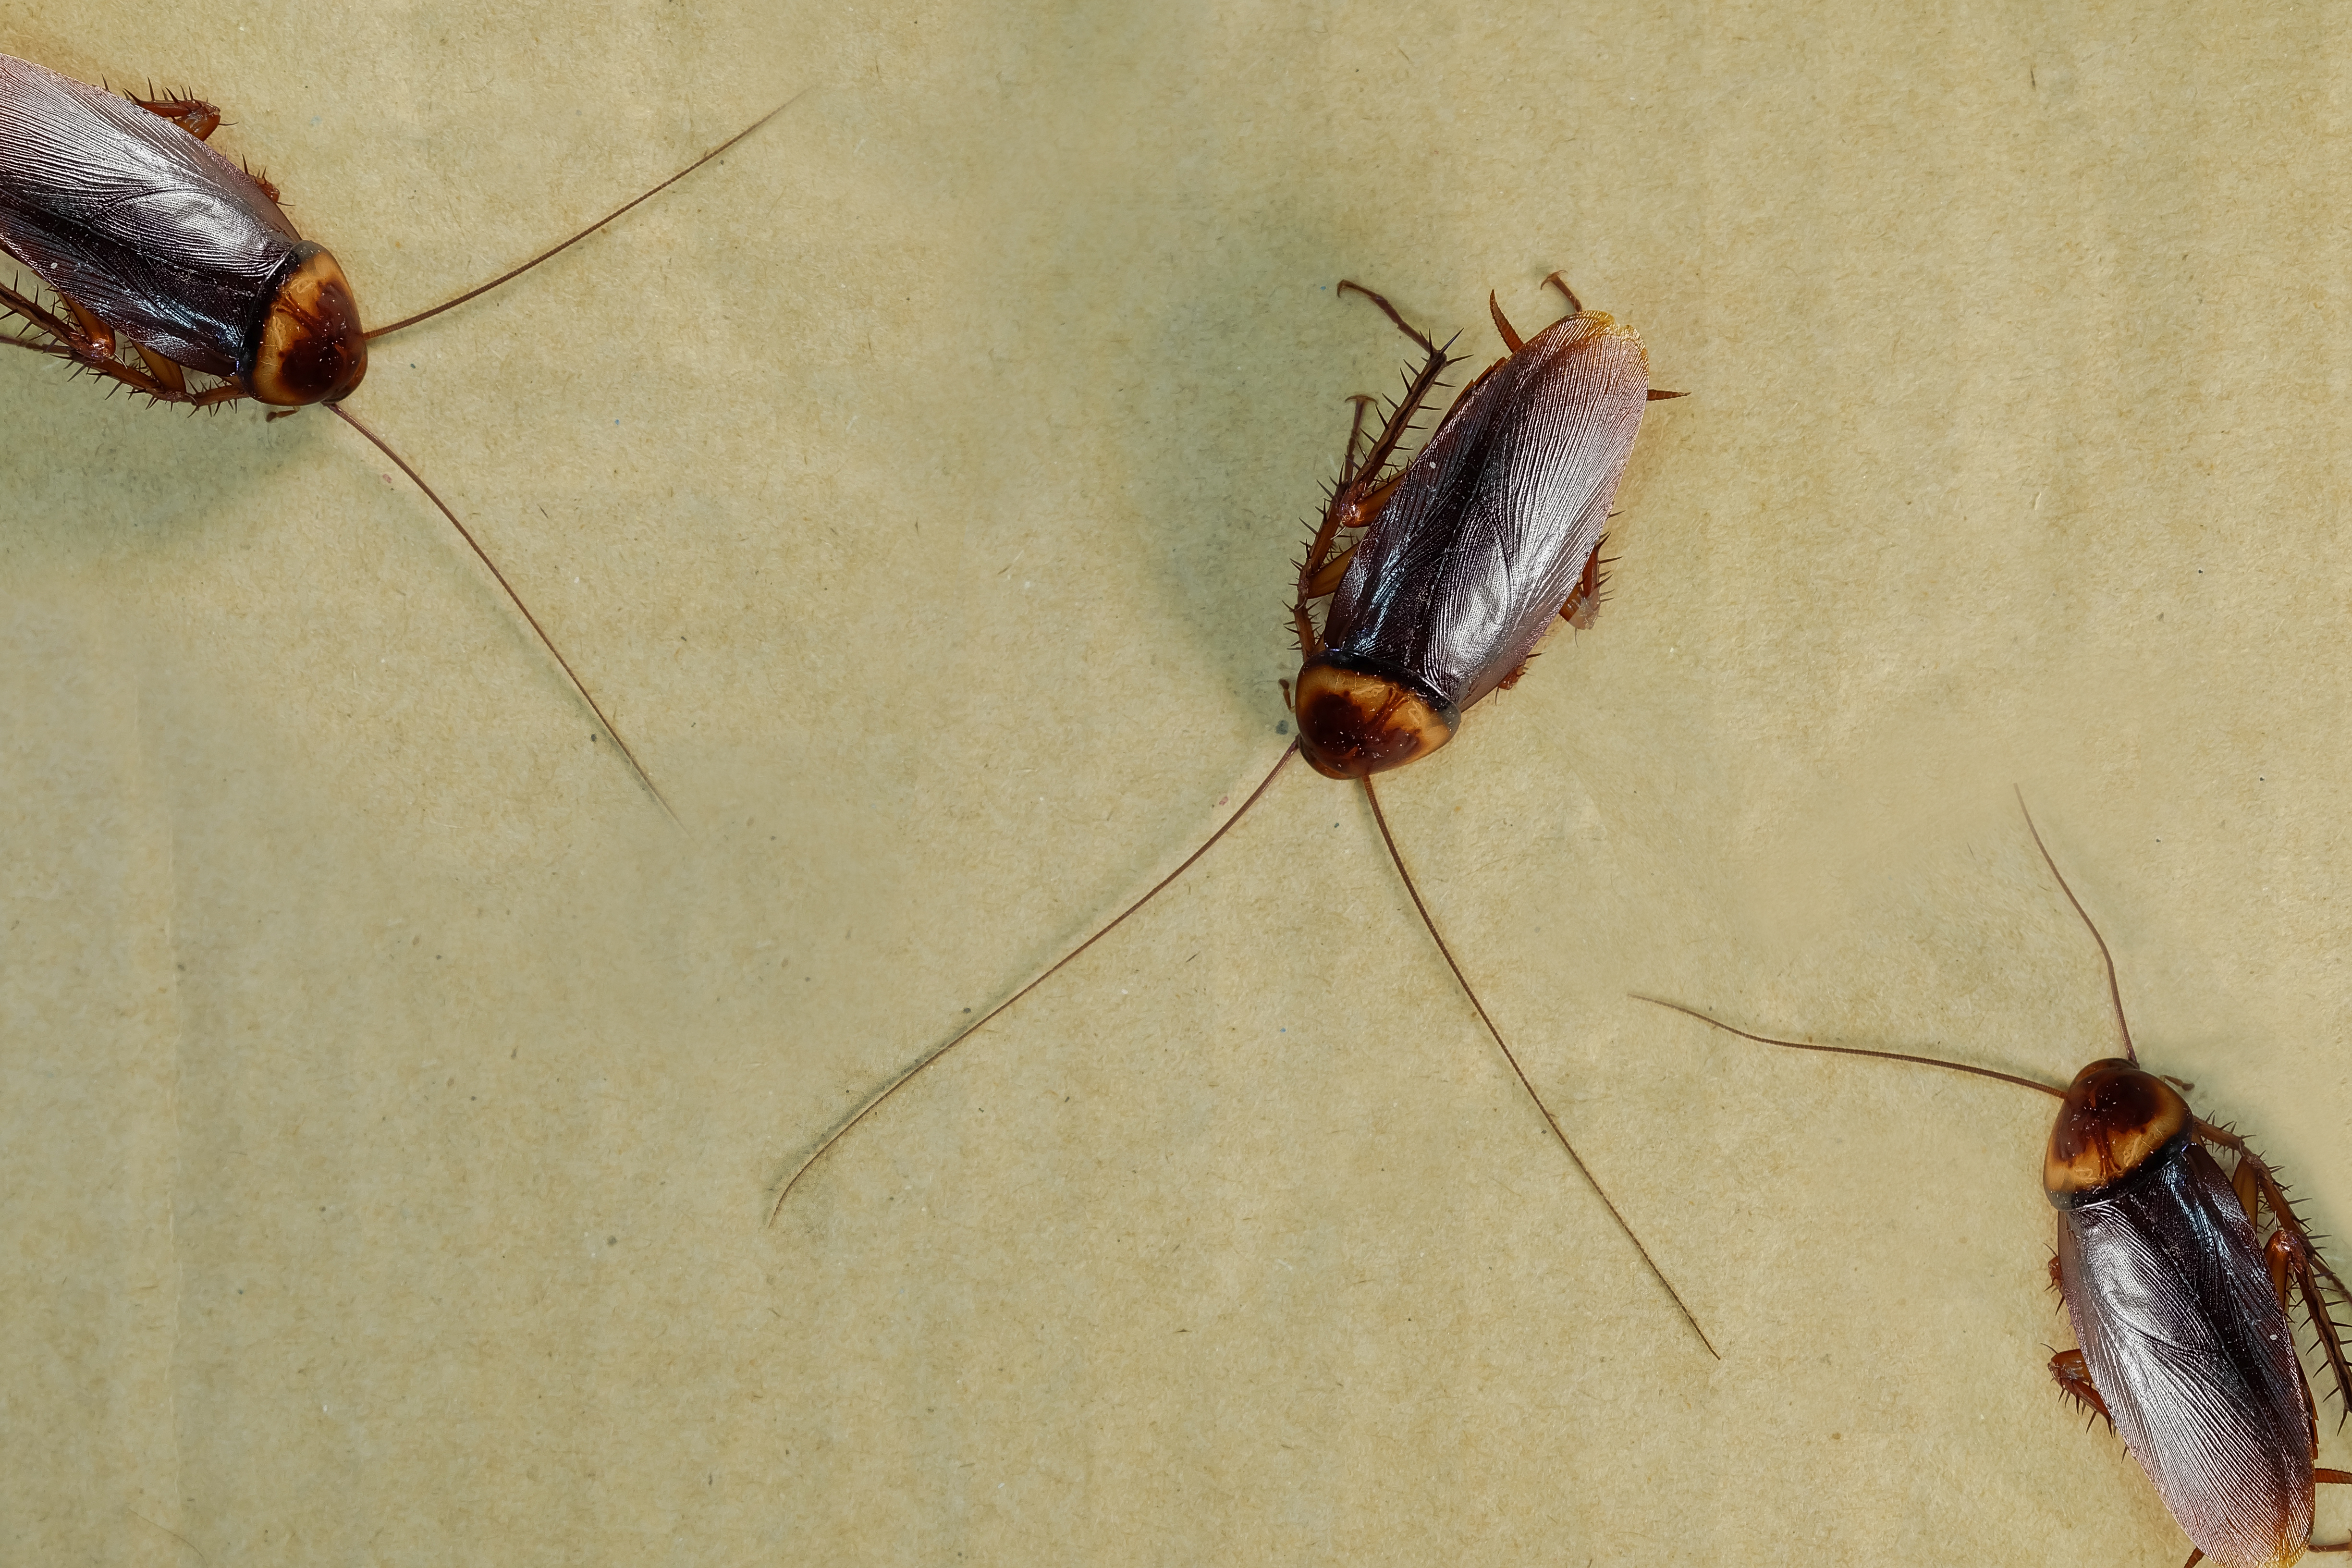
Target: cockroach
[[1458, 562], [2178, 1299], [166, 260]]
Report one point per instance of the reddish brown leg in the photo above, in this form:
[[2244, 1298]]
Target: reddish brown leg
[[94, 351], [192, 115], [2057, 1280], [2074, 1379], [1328, 580], [1511, 339], [1361, 490], [1583, 606], [1559, 280], [2293, 1261], [2327, 1478], [1360, 401]]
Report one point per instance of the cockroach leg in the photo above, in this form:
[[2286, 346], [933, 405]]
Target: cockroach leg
[[2057, 1279], [1417, 390], [1362, 401], [2072, 1375], [1559, 280], [1429, 923], [2291, 1256], [162, 370], [1362, 490], [2327, 1478], [1328, 580], [192, 115], [1511, 339], [89, 342], [1583, 606], [95, 332]]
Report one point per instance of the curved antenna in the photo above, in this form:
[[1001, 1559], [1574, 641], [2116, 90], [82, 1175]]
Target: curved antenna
[[644, 778], [1851, 1050], [554, 251], [2114, 992], [1509, 1056], [904, 1078]]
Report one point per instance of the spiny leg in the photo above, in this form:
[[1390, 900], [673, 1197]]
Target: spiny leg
[[2327, 1478], [81, 339], [2291, 1255], [1429, 923], [1417, 390], [1511, 339], [192, 115], [2072, 1375], [1362, 490], [1583, 606]]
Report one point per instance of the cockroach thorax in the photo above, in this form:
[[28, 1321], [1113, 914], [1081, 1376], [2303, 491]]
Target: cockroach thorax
[[1352, 724], [309, 346], [2113, 1117]]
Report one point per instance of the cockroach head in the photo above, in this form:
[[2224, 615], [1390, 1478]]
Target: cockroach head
[[309, 346], [2113, 1117], [1353, 723]]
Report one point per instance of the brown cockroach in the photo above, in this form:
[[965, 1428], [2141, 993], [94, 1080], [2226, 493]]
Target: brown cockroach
[[2178, 1299], [166, 259], [1460, 561]]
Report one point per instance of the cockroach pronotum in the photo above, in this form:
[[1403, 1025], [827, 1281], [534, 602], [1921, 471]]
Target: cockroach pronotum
[[1460, 561], [164, 259], [2178, 1299]]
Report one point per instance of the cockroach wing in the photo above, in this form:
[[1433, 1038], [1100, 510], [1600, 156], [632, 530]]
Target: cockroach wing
[[152, 231], [2192, 1354], [1462, 572]]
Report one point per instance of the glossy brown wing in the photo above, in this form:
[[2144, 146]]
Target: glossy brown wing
[[2189, 1349], [156, 233], [1489, 532]]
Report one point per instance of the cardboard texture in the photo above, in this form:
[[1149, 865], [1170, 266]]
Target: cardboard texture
[[394, 1098]]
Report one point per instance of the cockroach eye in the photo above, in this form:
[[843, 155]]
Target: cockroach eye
[[310, 347]]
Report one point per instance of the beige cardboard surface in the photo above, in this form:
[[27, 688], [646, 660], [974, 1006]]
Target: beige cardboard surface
[[393, 1098]]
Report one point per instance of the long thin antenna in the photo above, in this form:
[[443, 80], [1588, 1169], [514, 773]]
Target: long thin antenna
[[2115, 992], [644, 778], [896, 1084], [555, 250], [1850, 1050], [1509, 1056]]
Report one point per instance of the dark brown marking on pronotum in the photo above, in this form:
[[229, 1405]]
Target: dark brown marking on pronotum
[[155, 246], [2176, 1279], [1461, 560]]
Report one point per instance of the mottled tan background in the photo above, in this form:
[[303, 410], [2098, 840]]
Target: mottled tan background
[[393, 1098]]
